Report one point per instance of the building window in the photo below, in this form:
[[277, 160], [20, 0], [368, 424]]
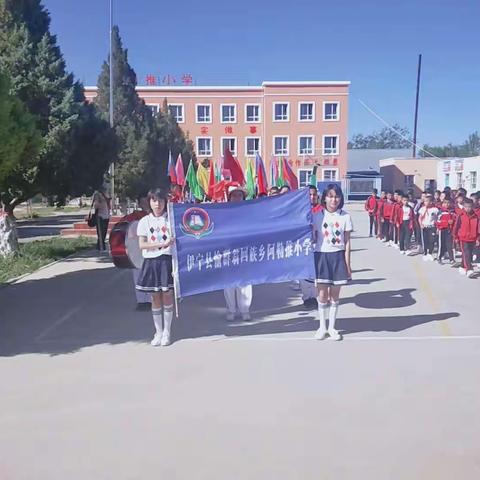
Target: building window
[[280, 145], [330, 175], [154, 109], [306, 112], [447, 179], [204, 146], [409, 181], [331, 111], [230, 143], [252, 145], [281, 112], [204, 114], [473, 180], [330, 145], [228, 113], [176, 111], [306, 145], [252, 113], [304, 175], [459, 179]]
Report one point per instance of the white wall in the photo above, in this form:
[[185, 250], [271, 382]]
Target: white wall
[[467, 167]]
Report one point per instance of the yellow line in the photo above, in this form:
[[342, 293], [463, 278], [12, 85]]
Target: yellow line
[[444, 327]]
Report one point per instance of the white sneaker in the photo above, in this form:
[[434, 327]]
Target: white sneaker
[[246, 317], [425, 259], [462, 271], [408, 252], [230, 317], [430, 258], [403, 252], [396, 245], [157, 340], [165, 339], [469, 273], [334, 334], [321, 333]]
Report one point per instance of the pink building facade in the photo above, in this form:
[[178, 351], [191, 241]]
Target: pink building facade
[[305, 122]]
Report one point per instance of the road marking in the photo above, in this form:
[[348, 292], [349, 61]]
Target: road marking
[[71, 313], [444, 326], [348, 338]]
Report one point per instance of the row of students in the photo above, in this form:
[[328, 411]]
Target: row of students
[[331, 234], [440, 220]]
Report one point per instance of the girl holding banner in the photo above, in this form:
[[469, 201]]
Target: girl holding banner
[[332, 228], [155, 239]]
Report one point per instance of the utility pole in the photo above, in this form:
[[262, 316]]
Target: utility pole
[[112, 166], [416, 107]]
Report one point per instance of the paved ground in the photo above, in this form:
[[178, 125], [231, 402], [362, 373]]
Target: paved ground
[[84, 396], [46, 227]]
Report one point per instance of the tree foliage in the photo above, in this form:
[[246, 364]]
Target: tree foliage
[[387, 138], [469, 148]]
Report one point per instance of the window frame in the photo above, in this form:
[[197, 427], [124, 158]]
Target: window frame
[[259, 112], [324, 111], [198, 148], [336, 170], [288, 112], [234, 105], [300, 111], [182, 105], [234, 153], [259, 146], [288, 145], [337, 150], [301, 170], [299, 146], [196, 112]]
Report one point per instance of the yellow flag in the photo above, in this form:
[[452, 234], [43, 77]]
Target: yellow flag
[[202, 177]]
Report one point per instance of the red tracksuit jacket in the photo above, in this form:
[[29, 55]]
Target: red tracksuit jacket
[[387, 210], [371, 205], [467, 227], [444, 218]]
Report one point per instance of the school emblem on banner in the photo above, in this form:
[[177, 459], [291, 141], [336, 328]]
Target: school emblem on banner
[[196, 223]]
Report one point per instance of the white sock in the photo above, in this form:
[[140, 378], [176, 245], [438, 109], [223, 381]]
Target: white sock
[[167, 317], [322, 315], [332, 316], [157, 320]]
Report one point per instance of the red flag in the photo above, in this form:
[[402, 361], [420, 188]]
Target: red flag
[[232, 164], [171, 169], [179, 171], [211, 180], [261, 175], [289, 176]]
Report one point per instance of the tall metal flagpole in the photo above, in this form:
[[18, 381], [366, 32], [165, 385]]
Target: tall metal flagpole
[[112, 166], [416, 107]]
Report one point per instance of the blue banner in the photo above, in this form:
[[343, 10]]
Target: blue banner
[[232, 244]]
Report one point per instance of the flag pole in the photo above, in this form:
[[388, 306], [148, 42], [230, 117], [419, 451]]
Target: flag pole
[[176, 282]]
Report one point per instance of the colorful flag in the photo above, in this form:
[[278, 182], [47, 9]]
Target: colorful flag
[[289, 176], [280, 175], [273, 170], [211, 179], [232, 164], [179, 172], [261, 175], [313, 177], [250, 180], [191, 179], [171, 168], [202, 177]]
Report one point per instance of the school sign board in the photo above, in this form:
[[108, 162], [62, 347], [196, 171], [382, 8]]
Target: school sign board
[[219, 245]]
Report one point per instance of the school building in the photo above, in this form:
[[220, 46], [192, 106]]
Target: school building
[[305, 122], [459, 172]]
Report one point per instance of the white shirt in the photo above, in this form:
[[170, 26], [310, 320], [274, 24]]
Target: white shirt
[[330, 230], [427, 216], [406, 213], [155, 229]]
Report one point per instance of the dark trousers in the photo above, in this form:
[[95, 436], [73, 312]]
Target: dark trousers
[[467, 249], [445, 244], [428, 240], [373, 224], [405, 235], [386, 229], [102, 228], [396, 233]]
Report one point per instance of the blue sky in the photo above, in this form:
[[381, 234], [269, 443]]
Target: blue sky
[[373, 43]]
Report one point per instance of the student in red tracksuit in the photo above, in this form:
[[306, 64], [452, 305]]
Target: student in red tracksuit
[[385, 218], [406, 217], [445, 223], [371, 206], [396, 217], [467, 231], [380, 203]]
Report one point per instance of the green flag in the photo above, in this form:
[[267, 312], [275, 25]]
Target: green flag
[[193, 185], [313, 177], [280, 177], [250, 180]]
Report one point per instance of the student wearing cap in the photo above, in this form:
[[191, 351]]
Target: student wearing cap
[[238, 299]]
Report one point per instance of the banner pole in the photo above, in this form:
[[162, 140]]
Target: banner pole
[[176, 283]]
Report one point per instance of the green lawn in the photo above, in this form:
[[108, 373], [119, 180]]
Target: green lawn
[[34, 255]]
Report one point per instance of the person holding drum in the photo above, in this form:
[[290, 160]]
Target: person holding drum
[[155, 239]]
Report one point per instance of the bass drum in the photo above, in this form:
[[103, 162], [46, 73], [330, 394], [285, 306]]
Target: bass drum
[[124, 247]]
